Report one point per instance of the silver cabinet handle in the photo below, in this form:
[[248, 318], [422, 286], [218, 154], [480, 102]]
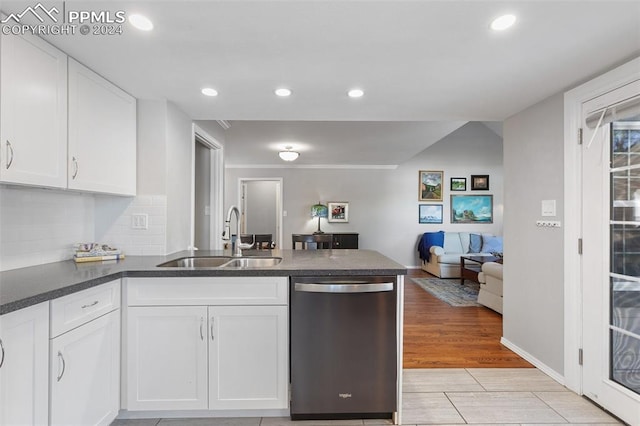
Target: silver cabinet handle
[[64, 365], [9, 157], [343, 287], [201, 324], [75, 167], [212, 336], [1, 348], [90, 305]]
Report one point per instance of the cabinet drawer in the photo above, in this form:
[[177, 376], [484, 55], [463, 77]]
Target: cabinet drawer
[[71, 311], [207, 291]]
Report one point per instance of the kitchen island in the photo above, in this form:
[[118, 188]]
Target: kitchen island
[[233, 363]]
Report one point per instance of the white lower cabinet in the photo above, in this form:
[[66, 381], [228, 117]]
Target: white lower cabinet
[[85, 373], [84, 370], [24, 361], [167, 358], [232, 357], [248, 360]]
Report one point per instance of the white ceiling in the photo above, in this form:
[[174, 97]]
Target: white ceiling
[[419, 61]]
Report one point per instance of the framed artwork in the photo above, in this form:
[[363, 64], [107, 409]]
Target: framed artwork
[[471, 208], [430, 185], [430, 213], [338, 211], [479, 182], [458, 184]]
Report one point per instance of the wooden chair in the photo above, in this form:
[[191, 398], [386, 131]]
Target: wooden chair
[[261, 241], [321, 241]]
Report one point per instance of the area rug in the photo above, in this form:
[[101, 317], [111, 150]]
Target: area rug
[[450, 291]]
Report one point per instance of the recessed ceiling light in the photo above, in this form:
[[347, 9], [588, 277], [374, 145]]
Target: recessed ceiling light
[[208, 91], [503, 22], [355, 93], [141, 22], [282, 92]]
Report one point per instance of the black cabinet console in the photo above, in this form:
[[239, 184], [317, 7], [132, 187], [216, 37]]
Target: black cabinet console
[[336, 240]]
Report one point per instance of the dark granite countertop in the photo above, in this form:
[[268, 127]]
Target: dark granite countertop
[[20, 288]]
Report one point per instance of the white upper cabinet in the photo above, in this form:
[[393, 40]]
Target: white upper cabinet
[[33, 112], [102, 134]]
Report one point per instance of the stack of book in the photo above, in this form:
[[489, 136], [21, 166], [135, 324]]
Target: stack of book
[[94, 252]]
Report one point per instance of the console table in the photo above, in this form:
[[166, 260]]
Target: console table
[[339, 240]]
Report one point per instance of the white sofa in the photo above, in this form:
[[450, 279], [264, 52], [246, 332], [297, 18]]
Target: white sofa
[[444, 262], [490, 279]]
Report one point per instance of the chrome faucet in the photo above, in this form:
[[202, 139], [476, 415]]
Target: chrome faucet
[[226, 234]]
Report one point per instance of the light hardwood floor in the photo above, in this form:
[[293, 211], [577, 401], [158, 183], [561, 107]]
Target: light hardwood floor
[[437, 335]]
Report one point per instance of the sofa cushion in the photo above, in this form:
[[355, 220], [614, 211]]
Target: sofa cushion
[[452, 243], [475, 243], [491, 244], [450, 258]]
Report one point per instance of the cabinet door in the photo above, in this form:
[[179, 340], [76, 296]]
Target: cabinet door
[[24, 360], [33, 112], [85, 373], [248, 357], [102, 134], [167, 358]]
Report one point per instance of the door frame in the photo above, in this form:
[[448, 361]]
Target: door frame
[[216, 200], [279, 203], [573, 101]]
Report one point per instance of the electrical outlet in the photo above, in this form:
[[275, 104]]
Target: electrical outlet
[[548, 223], [140, 221]]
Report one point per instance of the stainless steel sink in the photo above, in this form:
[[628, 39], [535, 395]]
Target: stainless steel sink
[[253, 262], [222, 262], [197, 262]]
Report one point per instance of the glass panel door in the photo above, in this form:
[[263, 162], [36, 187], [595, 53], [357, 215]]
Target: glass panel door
[[624, 324]]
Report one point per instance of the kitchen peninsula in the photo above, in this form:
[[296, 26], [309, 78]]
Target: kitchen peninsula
[[195, 342]]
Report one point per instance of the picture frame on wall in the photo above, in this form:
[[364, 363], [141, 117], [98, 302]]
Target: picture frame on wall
[[338, 211], [458, 184], [430, 185], [430, 213], [472, 209], [479, 182]]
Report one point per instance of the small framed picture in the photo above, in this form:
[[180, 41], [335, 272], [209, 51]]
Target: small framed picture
[[430, 213], [479, 182], [458, 184], [430, 185], [338, 211]]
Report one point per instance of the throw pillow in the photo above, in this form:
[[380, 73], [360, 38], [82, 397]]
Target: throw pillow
[[492, 244], [475, 243]]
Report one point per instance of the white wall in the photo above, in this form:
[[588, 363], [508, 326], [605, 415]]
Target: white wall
[[180, 146], [384, 203], [533, 270]]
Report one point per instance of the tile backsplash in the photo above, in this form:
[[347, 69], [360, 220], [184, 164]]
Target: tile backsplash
[[41, 226], [114, 224]]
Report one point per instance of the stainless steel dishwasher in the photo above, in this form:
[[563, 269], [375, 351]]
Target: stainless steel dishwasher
[[343, 347]]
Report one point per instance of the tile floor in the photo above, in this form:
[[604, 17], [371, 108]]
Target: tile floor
[[479, 396]]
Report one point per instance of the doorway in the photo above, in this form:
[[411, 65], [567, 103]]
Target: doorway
[[260, 201], [611, 251], [207, 215]]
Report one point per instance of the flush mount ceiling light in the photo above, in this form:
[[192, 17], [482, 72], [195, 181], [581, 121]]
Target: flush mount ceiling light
[[283, 92], [141, 22], [503, 22], [288, 154], [355, 93], [208, 91]]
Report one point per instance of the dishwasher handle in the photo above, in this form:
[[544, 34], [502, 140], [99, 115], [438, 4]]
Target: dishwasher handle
[[343, 287]]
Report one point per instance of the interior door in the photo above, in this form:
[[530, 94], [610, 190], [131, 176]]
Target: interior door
[[611, 253]]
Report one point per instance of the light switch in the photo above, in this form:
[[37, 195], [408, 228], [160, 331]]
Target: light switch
[[548, 207], [140, 221]]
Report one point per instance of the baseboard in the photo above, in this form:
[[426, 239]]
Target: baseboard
[[412, 267], [535, 361]]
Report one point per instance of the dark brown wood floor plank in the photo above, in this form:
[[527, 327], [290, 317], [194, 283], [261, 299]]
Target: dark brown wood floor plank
[[437, 335]]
